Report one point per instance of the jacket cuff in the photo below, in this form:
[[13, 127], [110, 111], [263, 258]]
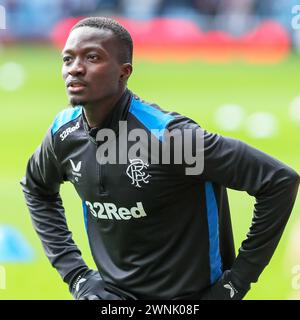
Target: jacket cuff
[[72, 276], [69, 264], [245, 272]]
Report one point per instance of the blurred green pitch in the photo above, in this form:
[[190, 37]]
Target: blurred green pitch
[[193, 89]]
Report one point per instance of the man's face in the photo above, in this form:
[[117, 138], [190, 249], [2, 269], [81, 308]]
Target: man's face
[[91, 68]]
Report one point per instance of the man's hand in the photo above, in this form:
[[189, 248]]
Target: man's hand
[[90, 286], [227, 287]]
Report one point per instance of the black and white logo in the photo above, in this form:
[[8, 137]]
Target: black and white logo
[[76, 169], [232, 289], [135, 172], [79, 283]]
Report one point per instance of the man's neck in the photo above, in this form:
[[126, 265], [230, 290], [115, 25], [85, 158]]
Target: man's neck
[[96, 113]]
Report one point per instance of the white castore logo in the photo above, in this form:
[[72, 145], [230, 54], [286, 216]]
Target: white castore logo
[[135, 172], [79, 283], [232, 289], [76, 169]]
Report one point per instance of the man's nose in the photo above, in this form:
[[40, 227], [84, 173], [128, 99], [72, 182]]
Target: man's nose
[[77, 68]]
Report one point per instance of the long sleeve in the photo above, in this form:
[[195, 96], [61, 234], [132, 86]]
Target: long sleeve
[[274, 185], [41, 186]]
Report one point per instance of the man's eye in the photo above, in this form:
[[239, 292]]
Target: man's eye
[[67, 59], [93, 57]]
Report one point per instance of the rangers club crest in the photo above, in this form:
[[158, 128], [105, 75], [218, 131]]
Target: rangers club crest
[[135, 172]]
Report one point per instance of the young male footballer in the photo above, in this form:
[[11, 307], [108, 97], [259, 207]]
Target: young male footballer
[[156, 230]]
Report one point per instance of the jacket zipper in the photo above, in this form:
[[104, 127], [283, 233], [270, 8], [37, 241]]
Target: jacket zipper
[[101, 187], [102, 190]]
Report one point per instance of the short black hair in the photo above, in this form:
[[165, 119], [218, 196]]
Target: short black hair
[[122, 35]]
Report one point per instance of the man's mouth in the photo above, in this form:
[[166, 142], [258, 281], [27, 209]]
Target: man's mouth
[[76, 86]]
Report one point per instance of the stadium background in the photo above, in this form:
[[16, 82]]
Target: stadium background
[[231, 65]]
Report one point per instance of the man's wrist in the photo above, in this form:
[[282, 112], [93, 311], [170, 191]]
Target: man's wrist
[[240, 283], [245, 271], [72, 276], [226, 288]]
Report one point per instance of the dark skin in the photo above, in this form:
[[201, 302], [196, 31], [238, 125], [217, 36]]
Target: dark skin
[[94, 74]]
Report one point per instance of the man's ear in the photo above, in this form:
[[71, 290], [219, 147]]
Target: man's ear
[[126, 70]]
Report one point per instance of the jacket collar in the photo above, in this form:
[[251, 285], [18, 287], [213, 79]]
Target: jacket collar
[[118, 113]]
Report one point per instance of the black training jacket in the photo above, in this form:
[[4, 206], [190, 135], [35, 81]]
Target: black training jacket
[[154, 231]]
